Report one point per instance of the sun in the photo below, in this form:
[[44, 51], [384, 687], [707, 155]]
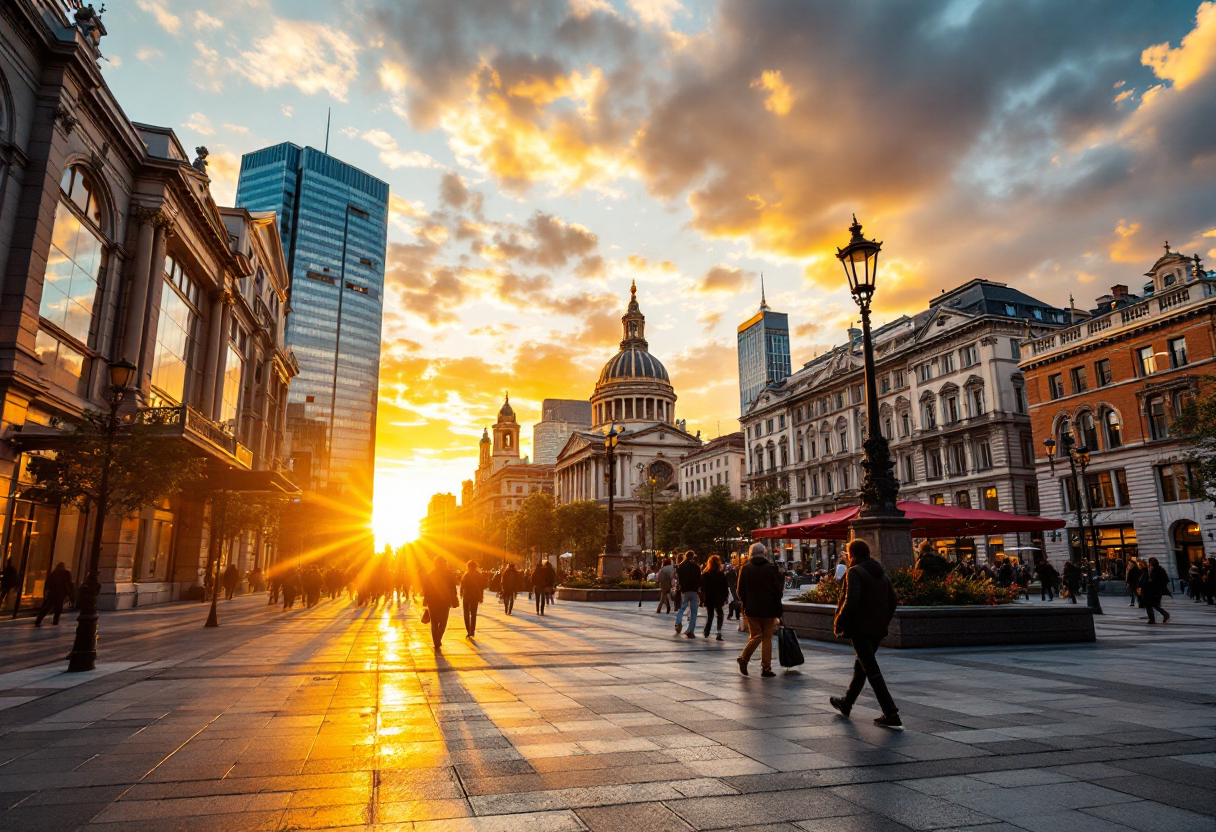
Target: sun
[[399, 506]]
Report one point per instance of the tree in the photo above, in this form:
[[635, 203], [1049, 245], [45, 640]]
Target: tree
[[534, 526], [582, 528], [765, 505], [1196, 426], [234, 512], [701, 523]]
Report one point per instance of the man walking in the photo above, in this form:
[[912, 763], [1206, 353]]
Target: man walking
[[689, 576], [231, 579], [866, 607], [511, 582], [1047, 579], [1154, 585], [760, 597], [1132, 581], [57, 588], [664, 578], [472, 592], [544, 578]]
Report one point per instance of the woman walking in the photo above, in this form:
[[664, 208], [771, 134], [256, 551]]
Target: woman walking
[[511, 583], [714, 593], [472, 591], [1154, 585], [544, 577], [439, 596]]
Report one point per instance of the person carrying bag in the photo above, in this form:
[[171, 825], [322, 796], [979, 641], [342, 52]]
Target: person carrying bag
[[789, 652]]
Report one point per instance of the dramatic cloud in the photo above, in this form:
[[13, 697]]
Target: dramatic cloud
[[725, 279], [312, 57], [168, 21]]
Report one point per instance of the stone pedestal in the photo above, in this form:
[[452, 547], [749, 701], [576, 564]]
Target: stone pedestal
[[610, 566], [890, 540]]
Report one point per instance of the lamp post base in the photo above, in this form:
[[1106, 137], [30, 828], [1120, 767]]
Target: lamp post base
[[890, 540], [610, 566], [83, 657]]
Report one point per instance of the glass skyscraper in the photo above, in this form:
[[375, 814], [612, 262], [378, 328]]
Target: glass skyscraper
[[764, 353], [334, 224]]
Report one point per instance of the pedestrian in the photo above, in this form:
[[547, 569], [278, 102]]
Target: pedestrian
[[664, 578], [1072, 581], [689, 577], [472, 591], [714, 592], [1194, 583], [8, 580], [544, 579], [1209, 582], [863, 615], [56, 589], [1047, 579], [760, 596], [841, 568], [439, 596], [291, 588], [1154, 585], [231, 579], [512, 582], [313, 581], [732, 608]]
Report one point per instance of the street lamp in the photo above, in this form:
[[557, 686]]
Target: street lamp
[[84, 649], [1078, 455], [879, 514], [610, 561]]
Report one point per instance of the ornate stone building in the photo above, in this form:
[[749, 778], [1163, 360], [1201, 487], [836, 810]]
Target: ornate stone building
[[113, 248], [722, 461], [952, 403], [1116, 382], [504, 479], [634, 393]]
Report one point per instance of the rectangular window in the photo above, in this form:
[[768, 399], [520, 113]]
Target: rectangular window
[[781, 422], [905, 424], [827, 482], [844, 441], [909, 469], [969, 356], [1015, 349], [1019, 398], [1146, 361], [1180, 482], [983, 454], [814, 485], [899, 379], [1027, 450], [957, 459], [925, 372], [65, 366], [174, 338], [1102, 375], [937, 499], [1177, 351], [951, 410], [946, 363], [769, 425], [1055, 384], [884, 384], [1032, 499], [977, 402], [933, 464], [1101, 490], [234, 369], [1079, 382], [962, 499], [1159, 420], [991, 502]]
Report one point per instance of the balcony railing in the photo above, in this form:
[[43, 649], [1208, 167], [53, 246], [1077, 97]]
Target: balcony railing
[[194, 427], [1192, 293]]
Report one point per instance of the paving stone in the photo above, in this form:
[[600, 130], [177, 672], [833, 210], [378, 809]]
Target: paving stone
[[1148, 816], [909, 807], [652, 817]]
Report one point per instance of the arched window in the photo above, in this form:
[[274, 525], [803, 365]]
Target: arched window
[[1065, 428], [1087, 432], [1113, 427], [70, 285], [929, 415], [785, 454]]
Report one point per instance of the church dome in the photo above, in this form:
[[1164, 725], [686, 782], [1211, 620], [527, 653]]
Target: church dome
[[632, 363]]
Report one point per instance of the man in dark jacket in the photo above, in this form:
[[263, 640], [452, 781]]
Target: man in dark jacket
[[689, 575], [57, 588], [867, 605], [759, 591], [1154, 585], [231, 579], [439, 596], [544, 578], [1047, 579]]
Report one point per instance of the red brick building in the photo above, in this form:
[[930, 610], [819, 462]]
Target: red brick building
[[1116, 381]]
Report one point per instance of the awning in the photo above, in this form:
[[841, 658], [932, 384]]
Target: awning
[[237, 479], [927, 521]]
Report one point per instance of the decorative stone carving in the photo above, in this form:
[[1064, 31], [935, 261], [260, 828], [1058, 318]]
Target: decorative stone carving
[[88, 21], [65, 119], [156, 217], [200, 161]]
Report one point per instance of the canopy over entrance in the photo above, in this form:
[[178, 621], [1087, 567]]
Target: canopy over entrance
[[927, 521]]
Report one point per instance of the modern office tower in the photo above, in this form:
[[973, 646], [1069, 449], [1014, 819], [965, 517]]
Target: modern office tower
[[764, 352], [558, 419], [334, 223]]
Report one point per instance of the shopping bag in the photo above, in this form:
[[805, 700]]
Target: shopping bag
[[426, 616], [789, 653]]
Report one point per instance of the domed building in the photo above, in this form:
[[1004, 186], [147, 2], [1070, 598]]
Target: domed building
[[634, 393]]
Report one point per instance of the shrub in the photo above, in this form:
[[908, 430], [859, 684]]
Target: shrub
[[915, 590], [587, 579]]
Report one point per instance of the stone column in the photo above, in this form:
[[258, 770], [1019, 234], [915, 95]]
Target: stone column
[[137, 298], [211, 360]]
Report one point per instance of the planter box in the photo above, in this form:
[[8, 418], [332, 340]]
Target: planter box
[[571, 594], [959, 626]]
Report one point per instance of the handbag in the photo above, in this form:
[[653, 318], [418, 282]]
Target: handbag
[[789, 652], [426, 616]]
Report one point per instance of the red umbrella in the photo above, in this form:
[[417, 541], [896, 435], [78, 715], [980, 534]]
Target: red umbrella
[[927, 521]]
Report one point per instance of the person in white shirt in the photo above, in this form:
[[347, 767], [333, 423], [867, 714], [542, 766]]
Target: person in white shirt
[[841, 568]]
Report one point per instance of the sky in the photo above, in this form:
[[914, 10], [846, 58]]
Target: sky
[[542, 155]]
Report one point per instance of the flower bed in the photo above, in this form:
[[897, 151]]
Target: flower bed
[[914, 590]]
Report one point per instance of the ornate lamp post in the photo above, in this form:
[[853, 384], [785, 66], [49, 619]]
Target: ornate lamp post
[[610, 560], [84, 649], [880, 522], [1078, 456]]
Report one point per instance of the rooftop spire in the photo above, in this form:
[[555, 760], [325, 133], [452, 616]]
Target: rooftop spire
[[763, 302], [1167, 246], [633, 322]]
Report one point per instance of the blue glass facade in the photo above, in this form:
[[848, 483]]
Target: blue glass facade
[[334, 325], [764, 354]]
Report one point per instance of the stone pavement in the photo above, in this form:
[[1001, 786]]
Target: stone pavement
[[592, 718]]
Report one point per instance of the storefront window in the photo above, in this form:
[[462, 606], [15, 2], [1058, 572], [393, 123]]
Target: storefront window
[[1115, 545], [234, 368], [153, 548]]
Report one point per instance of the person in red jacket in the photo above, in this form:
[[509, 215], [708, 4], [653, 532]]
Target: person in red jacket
[[863, 615]]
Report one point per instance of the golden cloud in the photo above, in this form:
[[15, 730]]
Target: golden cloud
[[1194, 58]]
